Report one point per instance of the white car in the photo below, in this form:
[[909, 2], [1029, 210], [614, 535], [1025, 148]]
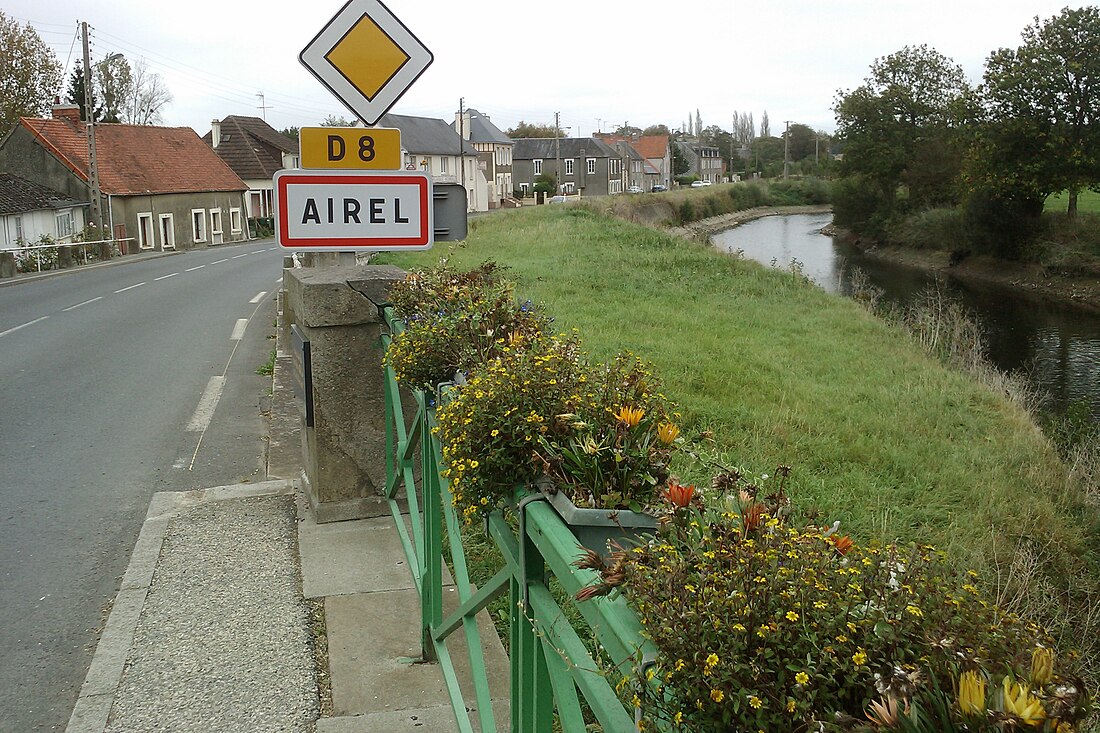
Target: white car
[[634, 189], [700, 184]]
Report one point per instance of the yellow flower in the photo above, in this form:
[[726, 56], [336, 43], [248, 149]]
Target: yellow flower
[[630, 416], [667, 432], [914, 611], [717, 695], [971, 693], [792, 616], [712, 662], [791, 705], [1042, 666], [755, 702], [859, 657], [802, 678], [678, 718], [1021, 703], [679, 664]]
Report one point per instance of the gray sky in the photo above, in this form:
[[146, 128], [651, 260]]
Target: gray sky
[[599, 64]]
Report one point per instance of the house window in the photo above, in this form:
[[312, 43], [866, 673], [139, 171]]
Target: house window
[[167, 232], [537, 164], [19, 229], [442, 164], [64, 224], [591, 166], [235, 221], [568, 187], [145, 231], [523, 188], [568, 166], [198, 225]]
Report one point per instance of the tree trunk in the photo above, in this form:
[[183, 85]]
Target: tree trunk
[[1071, 211]]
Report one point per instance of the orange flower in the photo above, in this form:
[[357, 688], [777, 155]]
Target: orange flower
[[842, 544], [667, 433], [752, 515], [630, 416], [678, 494]]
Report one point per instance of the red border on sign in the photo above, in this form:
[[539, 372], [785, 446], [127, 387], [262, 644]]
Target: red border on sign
[[287, 241]]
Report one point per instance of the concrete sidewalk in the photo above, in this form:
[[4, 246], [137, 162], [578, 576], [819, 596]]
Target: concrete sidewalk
[[240, 613]]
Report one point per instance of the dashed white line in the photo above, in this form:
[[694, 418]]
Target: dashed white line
[[259, 297], [28, 323], [238, 329], [86, 302], [123, 290], [218, 262], [192, 269], [237, 257], [165, 277], [205, 410]]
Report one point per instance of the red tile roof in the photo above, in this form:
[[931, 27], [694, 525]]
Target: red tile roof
[[652, 146], [137, 159]]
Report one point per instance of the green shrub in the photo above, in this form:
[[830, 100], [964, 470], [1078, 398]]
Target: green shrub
[[860, 205], [938, 229], [1000, 224]]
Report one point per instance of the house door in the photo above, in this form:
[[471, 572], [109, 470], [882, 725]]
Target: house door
[[167, 232], [120, 237], [215, 226], [145, 231]]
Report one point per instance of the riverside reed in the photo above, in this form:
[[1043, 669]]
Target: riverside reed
[[880, 435]]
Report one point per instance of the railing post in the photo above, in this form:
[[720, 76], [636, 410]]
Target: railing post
[[431, 601], [532, 694]]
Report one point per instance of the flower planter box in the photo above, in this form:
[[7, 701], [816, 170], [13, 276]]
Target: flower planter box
[[595, 529]]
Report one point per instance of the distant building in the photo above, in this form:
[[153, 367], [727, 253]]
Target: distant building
[[494, 153], [162, 186], [255, 151], [589, 166], [704, 161]]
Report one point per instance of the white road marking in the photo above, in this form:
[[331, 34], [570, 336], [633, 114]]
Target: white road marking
[[238, 330], [218, 262], [165, 277], [237, 257], [130, 288], [209, 400], [192, 269], [86, 302], [259, 297], [279, 281], [28, 323]]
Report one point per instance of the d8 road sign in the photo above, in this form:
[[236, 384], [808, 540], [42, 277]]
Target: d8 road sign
[[350, 148]]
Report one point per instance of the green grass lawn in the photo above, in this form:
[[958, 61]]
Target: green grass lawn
[[1087, 201], [879, 435]]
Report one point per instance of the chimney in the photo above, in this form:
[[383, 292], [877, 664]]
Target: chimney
[[67, 112], [215, 133]]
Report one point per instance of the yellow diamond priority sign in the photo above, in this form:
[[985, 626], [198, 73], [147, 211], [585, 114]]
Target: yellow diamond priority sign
[[367, 58]]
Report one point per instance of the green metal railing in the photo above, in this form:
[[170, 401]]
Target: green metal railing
[[552, 670]]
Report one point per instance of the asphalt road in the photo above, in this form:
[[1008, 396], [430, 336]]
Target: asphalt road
[[115, 382]]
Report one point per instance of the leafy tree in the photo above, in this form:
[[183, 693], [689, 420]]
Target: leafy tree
[[334, 121], [802, 140], [767, 154], [680, 164], [30, 74], [904, 128], [529, 129], [150, 96], [657, 130], [628, 130], [716, 137], [698, 122], [291, 132], [75, 95], [1044, 104], [765, 126], [545, 183], [744, 129], [113, 83]]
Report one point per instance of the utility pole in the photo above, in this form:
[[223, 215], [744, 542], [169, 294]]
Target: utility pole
[[557, 151], [461, 138], [786, 149], [89, 127]]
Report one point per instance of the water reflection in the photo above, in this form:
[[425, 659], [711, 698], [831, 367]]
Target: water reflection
[[1056, 347]]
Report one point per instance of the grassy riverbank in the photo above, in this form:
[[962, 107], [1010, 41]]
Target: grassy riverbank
[[880, 435]]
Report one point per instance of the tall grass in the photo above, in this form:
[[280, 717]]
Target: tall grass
[[881, 435]]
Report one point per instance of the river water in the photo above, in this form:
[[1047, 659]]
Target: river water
[[1055, 347]]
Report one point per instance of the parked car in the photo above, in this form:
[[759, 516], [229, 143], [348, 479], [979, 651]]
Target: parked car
[[700, 184], [634, 189], [657, 188], [556, 200]]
